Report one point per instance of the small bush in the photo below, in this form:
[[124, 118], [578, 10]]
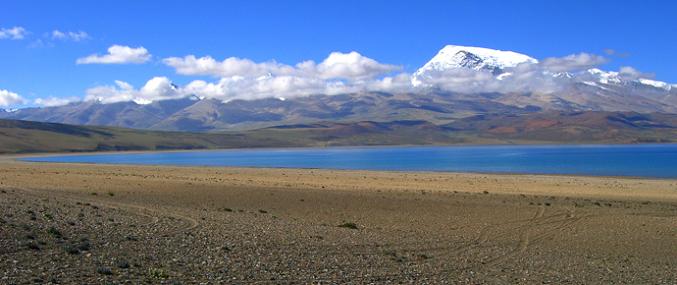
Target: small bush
[[54, 232], [104, 270], [71, 249], [157, 273], [83, 246], [352, 226], [33, 246], [124, 264]]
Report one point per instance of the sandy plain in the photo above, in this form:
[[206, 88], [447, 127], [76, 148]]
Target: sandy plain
[[114, 224]]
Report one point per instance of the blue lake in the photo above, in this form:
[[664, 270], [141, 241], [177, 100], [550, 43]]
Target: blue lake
[[658, 161]]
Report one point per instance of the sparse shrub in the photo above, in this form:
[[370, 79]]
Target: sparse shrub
[[111, 194], [94, 193], [84, 246], [104, 270], [124, 264], [33, 246], [263, 211], [54, 232], [348, 225], [71, 249], [157, 273]]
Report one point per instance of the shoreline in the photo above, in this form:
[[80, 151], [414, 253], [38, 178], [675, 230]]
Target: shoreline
[[543, 184], [18, 158]]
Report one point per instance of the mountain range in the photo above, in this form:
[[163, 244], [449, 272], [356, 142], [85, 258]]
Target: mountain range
[[533, 128], [534, 90]]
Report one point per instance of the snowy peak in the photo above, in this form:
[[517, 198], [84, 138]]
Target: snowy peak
[[476, 58], [615, 78], [655, 83]]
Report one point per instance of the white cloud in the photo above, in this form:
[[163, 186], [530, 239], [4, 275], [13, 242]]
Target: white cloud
[[239, 78], [347, 66], [8, 98], [339, 73], [245, 79], [237, 87], [118, 54], [72, 36], [54, 101], [14, 33], [232, 66], [157, 88], [350, 66], [574, 62]]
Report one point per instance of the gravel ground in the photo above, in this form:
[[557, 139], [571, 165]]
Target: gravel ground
[[85, 224]]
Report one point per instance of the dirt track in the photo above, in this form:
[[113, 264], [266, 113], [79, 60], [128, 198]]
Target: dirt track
[[96, 224]]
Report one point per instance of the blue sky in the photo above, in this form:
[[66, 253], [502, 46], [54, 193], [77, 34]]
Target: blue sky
[[402, 33]]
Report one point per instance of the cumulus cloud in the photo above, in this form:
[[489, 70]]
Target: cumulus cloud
[[8, 98], [346, 66], [239, 78], [69, 36], [14, 33], [54, 101], [118, 54], [157, 88], [351, 66], [232, 66], [574, 62]]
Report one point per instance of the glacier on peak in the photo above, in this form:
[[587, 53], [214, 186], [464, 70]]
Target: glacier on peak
[[499, 62], [476, 58]]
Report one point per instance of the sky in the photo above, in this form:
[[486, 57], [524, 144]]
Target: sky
[[69, 50]]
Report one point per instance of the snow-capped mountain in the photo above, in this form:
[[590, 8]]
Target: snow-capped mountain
[[615, 78], [475, 58], [500, 62], [574, 90], [657, 84]]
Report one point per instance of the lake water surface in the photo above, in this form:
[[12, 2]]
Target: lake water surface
[[599, 160]]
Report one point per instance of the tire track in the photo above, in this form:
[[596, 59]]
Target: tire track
[[154, 215]]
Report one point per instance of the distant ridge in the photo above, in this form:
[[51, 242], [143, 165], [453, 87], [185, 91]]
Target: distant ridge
[[532, 128]]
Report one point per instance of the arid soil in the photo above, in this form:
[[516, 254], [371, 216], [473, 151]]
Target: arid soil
[[99, 224]]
